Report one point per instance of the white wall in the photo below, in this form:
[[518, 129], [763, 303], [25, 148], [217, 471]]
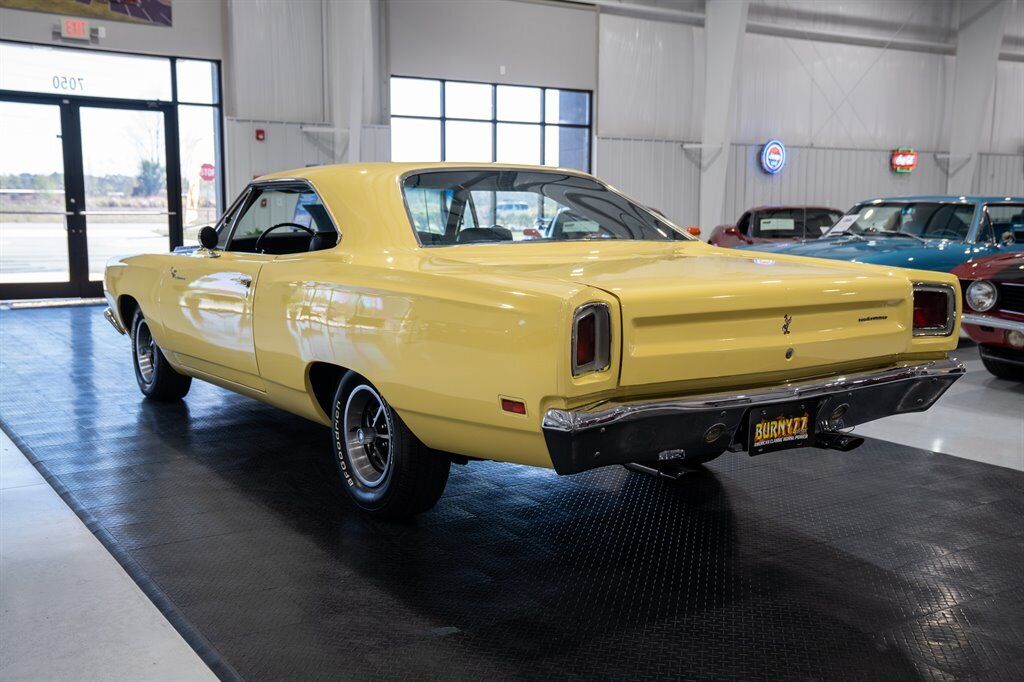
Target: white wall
[[537, 44], [813, 93], [275, 58], [1000, 175], [1004, 122], [651, 79], [833, 177], [657, 173], [197, 31]]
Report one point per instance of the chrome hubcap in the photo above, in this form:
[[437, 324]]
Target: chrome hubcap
[[145, 352], [368, 432]]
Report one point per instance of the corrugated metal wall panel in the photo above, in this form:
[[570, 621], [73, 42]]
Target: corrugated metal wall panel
[[275, 60], [650, 79], [376, 143], [285, 147], [834, 95], [1000, 175], [832, 177], [657, 173]]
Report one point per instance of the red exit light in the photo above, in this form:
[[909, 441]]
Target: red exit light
[[77, 29]]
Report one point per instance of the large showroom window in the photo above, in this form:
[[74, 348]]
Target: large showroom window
[[441, 120], [101, 153]]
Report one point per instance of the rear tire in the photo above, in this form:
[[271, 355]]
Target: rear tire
[[386, 470], [156, 378], [1003, 370]]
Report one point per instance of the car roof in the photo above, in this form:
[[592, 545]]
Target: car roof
[[394, 169], [773, 207], [967, 199]]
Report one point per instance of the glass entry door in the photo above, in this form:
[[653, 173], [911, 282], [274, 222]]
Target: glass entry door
[[35, 232], [79, 184], [124, 166]]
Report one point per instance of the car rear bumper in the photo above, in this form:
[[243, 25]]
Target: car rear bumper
[[700, 425]]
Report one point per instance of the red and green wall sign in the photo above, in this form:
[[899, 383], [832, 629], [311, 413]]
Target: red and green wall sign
[[903, 160]]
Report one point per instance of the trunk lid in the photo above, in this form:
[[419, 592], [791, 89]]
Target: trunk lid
[[694, 312]]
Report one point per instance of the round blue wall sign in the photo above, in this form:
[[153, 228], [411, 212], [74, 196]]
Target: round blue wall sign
[[773, 156]]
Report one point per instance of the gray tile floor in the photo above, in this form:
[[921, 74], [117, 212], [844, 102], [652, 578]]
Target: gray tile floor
[[68, 611], [980, 418]]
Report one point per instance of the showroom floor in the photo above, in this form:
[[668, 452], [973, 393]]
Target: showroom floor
[[890, 561]]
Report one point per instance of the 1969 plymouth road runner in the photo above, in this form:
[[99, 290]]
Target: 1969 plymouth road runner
[[411, 308]]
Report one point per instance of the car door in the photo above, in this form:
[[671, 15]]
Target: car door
[[206, 302]]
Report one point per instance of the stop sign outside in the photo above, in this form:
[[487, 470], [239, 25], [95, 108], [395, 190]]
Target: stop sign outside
[[206, 172]]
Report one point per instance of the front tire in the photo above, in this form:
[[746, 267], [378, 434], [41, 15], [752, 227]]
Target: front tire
[[156, 378], [1003, 370], [386, 470]]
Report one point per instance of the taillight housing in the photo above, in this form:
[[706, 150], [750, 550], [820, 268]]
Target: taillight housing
[[591, 339], [934, 309]]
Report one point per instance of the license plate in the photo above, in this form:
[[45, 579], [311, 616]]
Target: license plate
[[779, 427]]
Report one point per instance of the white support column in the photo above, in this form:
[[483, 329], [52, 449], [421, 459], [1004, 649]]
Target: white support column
[[352, 72], [724, 26], [977, 50]]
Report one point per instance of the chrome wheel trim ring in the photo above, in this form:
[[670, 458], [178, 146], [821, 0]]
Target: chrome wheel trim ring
[[145, 352], [367, 434]]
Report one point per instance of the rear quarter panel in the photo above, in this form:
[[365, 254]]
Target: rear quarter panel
[[442, 348]]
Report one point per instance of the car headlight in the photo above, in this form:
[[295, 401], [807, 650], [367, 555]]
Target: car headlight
[[982, 295]]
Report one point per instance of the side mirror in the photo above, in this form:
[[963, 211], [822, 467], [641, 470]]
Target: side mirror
[[734, 231], [694, 230], [208, 238]]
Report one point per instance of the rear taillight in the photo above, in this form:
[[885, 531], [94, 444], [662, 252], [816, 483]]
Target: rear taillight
[[591, 338], [934, 309]]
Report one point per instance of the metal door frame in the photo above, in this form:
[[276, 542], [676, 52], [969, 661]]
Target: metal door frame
[[75, 210]]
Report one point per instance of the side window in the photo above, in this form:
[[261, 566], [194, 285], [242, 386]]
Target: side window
[[949, 221], [223, 226], [743, 224], [818, 222], [291, 208], [1003, 220]]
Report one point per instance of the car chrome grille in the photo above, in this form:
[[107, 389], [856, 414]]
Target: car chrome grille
[[1011, 297]]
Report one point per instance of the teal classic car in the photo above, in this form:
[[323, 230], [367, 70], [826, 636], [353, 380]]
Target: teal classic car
[[926, 232]]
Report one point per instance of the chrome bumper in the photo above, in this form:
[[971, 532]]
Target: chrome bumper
[[708, 424], [992, 321], [112, 319]]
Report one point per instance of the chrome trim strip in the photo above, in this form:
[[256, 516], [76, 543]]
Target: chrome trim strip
[[112, 319], [572, 421], [992, 321]]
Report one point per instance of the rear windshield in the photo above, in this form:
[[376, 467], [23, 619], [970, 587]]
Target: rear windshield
[[793, 223], [474, 206], [924, 219]]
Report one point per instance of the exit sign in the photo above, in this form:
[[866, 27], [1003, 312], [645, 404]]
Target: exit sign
[[75, 29]]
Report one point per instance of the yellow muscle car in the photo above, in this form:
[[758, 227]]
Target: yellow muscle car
[[439, 313]]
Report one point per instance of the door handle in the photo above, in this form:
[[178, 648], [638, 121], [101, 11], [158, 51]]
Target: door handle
[[175, 275]]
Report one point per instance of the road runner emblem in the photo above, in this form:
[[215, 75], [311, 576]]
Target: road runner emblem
[[786, 320]]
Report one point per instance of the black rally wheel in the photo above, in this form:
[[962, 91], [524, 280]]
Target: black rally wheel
[[386, 470], [156, 378]]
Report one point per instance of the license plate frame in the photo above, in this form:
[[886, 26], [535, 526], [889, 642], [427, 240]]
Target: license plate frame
[[782, 427]]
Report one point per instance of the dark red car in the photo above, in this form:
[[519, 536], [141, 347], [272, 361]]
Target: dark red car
[[993, 290], [764, 224]]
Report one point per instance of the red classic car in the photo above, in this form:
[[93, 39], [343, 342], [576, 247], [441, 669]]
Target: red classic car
[[763, 224], [993, 290]]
